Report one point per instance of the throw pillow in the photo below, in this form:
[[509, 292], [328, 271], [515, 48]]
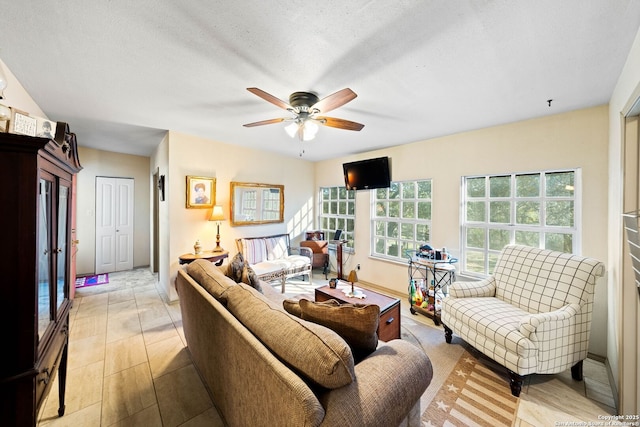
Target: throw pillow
[[292, 306], [356, 324], [236, 265], [250, 277], [316, 353]]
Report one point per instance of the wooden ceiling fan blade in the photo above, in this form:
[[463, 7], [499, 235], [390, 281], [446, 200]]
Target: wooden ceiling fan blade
[[335, 100], [269, 98], [339, 123], [264, 122]]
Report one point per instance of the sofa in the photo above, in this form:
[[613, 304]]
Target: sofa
[[274, 259], [265, 367], [532, 315]]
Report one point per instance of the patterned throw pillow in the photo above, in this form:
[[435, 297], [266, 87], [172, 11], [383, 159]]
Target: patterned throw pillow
[[250, 277], [236, 267], [356, 324]]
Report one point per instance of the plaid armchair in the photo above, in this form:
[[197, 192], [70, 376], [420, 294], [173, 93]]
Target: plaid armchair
[[533, 315]]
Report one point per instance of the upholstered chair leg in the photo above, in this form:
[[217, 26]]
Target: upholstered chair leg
[[448, 333], [284, 279], [515, 381], [576, 371]]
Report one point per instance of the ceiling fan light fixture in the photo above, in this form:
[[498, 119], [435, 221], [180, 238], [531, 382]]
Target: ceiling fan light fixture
[[306, 130], [309, 131], [291, 129]]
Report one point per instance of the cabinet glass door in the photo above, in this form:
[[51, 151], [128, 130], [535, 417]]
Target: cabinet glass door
[[44, 256], [62, 249]]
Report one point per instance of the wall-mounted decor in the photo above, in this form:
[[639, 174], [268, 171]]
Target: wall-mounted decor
[[253, 203], [161, 187], [201, 192]]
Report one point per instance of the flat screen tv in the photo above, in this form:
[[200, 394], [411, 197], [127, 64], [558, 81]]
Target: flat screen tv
[[367, 174]]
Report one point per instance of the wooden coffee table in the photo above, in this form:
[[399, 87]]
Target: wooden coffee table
[[389, 326]]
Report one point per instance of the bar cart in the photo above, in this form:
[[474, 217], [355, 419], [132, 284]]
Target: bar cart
[[429, 278]]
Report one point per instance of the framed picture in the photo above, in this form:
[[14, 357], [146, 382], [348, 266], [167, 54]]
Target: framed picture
[[201, 192], [45, 128], [21, 123]]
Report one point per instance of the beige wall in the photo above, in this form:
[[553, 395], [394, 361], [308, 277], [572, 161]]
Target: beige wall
[[190, 155], [573, 140], [105, 163], [15, 95]]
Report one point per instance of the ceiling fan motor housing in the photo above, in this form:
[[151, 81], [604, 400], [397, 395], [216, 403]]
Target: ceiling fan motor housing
[[302, 100]]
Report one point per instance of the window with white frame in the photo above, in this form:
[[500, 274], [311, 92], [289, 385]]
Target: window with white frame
[[270, 204], [338, 211], [401, 219], [538, 209]]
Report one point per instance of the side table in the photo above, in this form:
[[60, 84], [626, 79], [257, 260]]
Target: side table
[[215, 257]]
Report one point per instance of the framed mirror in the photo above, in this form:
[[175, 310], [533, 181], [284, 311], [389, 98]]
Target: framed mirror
[[253, 203]]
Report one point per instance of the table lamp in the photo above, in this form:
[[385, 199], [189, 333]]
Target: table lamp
[[217, 215], [352, 278]]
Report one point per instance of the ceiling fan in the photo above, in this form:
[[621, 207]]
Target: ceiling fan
[[306, 108]]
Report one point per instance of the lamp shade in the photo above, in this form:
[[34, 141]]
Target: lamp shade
[[353, 276], [306, 130], [217, 214]]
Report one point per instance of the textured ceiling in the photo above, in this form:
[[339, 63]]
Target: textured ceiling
[[122, 72]]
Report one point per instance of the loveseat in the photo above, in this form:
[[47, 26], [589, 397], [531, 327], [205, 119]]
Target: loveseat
[[274, 259], [265, 367], [533, 315]]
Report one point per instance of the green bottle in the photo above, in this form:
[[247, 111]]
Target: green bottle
[[412, 292]]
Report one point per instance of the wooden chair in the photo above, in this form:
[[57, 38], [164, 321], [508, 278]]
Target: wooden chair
[[320, 250]]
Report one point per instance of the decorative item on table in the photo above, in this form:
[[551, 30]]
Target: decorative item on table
[[21, 123], [426, 251], [354, 293], [333, 283], [197, 248], [217, 215]]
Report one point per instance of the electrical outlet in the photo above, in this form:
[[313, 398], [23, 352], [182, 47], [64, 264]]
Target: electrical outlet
[[358, 267]]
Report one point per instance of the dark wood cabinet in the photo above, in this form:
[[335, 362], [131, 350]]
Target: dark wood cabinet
[[35, 258]]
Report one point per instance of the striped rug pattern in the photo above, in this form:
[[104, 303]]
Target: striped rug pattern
[[474, 394]]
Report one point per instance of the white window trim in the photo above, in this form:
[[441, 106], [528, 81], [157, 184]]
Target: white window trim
[[372, 241], [348, 235], [576, 230]]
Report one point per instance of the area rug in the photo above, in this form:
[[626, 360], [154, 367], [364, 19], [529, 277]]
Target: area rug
[[474, 394], [93, 280]]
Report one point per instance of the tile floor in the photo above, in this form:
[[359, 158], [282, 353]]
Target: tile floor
[[128, 366]]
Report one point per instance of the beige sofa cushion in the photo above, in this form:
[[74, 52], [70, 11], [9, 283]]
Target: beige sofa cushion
[[318, 354], [211, 278], [356, 324]]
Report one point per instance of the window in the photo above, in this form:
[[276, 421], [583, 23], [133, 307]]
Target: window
[[338, 211], [266, 201], [270, 204], [535, 209], [401, 219]]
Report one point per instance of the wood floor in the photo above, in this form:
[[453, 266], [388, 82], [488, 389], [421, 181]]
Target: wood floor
[[128, 366]]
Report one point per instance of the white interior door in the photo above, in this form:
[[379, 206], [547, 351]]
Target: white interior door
[[114, 224]]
